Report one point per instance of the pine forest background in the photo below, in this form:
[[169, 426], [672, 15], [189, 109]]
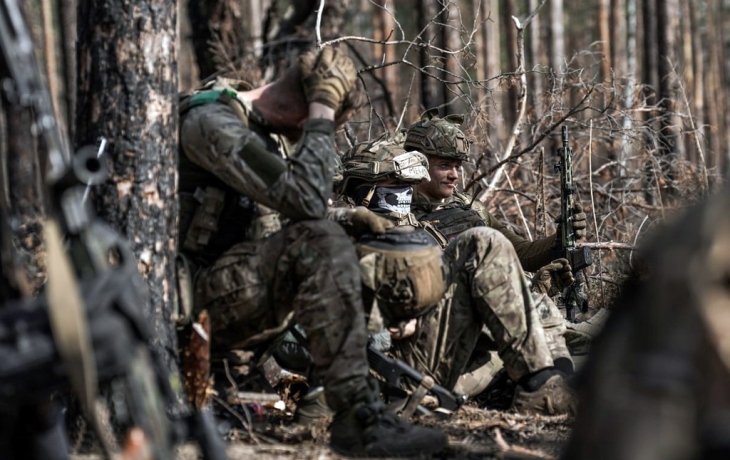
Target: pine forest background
[[642, 84]]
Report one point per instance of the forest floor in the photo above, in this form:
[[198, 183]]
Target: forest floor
[[473, 434]]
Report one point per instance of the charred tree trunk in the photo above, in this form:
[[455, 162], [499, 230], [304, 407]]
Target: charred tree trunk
[[452, 42], [670, 146], [219, 34], [23, 184], [429, 59], [127, 93]]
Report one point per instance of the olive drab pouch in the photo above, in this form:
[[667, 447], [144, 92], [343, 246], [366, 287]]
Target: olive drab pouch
[[205, 219], [404, 269]]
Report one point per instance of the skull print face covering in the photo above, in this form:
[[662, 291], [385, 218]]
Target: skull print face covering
[[392, 199]]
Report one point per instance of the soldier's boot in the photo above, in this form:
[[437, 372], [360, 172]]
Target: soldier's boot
[[552, 397], [312, 407], [368, 429]]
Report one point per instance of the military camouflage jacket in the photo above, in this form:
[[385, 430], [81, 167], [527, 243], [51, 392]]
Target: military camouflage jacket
[[234, 152], [533, 255]]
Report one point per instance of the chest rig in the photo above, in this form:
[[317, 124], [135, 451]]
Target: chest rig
[[453, 218], [213, 216]]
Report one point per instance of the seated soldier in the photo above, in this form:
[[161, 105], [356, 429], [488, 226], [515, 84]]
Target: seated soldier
[[484, 283], [232, 164]]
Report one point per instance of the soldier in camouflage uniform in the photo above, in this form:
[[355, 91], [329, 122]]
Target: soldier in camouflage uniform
[[484, 286], [234, 161], [657, 383], [452, 212]]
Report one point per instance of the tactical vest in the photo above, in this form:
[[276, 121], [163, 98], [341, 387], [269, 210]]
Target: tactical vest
[[213, 216], [451, 219]]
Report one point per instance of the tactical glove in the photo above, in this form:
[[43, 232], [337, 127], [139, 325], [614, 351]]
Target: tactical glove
[[553, 278], [361, 221], [327, 76], [579, 221]]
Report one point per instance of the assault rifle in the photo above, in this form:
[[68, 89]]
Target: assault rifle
[[392, 370], [573, 296], [90, 313]]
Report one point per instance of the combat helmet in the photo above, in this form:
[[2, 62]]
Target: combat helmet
[[438, 136], [381, 159]]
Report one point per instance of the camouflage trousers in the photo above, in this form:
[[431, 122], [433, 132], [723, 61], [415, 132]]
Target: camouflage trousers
[[487, 287], [308, 269]]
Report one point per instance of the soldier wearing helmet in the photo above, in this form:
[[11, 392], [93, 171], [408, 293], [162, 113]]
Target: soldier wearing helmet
[[446, 147], [452, 212], [484, 285]]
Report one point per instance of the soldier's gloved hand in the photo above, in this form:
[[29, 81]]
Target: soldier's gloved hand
[[327, 76], [361, 220], [579, 221], [554, 277]]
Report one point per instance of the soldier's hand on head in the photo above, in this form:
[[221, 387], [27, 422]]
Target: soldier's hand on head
[[579, 221], [327, 76], [554, 277], [361, 221]]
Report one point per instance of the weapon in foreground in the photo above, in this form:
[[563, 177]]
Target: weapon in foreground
[[94, 294], [392, 370], [579, 258]]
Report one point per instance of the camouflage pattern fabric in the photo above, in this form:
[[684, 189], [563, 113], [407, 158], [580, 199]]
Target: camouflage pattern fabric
[[250, 288], [656, 383], [309, 268], [487, 287], [533, 255], [217, 142]]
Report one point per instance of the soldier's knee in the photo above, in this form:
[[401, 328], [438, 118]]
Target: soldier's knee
[[494, 238]]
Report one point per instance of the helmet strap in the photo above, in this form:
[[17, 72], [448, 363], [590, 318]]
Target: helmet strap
[[368, 197]]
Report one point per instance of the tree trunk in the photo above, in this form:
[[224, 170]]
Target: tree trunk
[[618, 38], [556, 41], [687, 75], [25, 199], [534, 54], [492, 69], [220, 34], [698, 65], [670, 146], [510, 37], [604, 35], [384, 30], [649, 70], [630, 88], [430, 60], [127, 93], [452, 42]]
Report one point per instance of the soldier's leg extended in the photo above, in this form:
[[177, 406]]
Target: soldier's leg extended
[[490, 281], [311, 268]]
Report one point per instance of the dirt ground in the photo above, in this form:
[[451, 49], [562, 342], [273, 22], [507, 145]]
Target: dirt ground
[[474, 434]]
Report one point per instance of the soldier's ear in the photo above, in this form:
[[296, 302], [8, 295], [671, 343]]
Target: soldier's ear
[[430, 114]]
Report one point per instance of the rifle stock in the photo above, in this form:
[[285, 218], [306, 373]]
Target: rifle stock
[[93, 282], [393, 370]]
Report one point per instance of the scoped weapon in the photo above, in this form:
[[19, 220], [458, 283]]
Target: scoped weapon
[[392, 370], [90, 313], [579, 258]]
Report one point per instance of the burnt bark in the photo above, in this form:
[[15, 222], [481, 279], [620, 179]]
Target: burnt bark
[[219, 34], [429, 59], [127, 93]]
